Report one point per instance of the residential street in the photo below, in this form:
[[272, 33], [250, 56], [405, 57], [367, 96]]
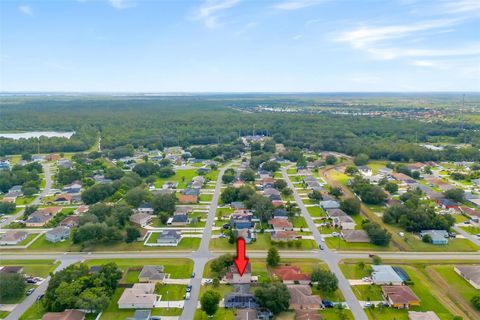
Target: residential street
[[329, 257]]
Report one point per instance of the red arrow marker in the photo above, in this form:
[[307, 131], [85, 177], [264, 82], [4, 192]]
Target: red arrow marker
[[241, 261]]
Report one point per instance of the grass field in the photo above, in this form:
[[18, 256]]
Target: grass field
[[36, 268], [315, 211], [182, 177], [340, 244], [171, 292], [471, 230], [222, 314], [186, 243], [180, 268], [262, 243]]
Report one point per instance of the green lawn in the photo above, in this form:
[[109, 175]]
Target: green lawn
[[131, 276], [187, 243], [368, 292], [262, 243], [298, 222], [36, 268], [466, 290], [336, 314], [179, 268], [471, 230], [315, 211], [353, 271], [454, 245], [24, 200], [42, 244], [35, 312], [182, 177], [340, 244], [171, 292], [224, 212], [328, 230], [222, 314], [206, 197], [29, 238]]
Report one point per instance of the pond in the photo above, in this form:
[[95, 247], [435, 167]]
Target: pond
[[36, 134]]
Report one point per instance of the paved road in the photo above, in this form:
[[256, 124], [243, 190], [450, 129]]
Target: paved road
[[37, 200], [330, 258], [467, 235], [31, 299], [201, 257]]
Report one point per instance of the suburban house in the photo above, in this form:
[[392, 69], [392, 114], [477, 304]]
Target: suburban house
[[365, 171], [470, 274], [151, 274], [169, 185], [425, 315], [240, 298], [276, 200], [280, 214], [182, 210], [283, 236], [81, 210], [417, 166], [400, 297], [15, 191], [246, 314], [439, 237], [64, 315], [356, 236], [197, 182], [271, 191], [291, 275], [178, 220], [141, 219], [233, 277], [13, 237], [58, 234], [237, 205], [448, 204], [188, 195], [70, 221], [140, 296], [145, 207], [301, 298], [40, 217], [386, 275], [344, 222], [329, 204], [64, 198], [246, 234], [280, 224], [72, 188], [242, 219], [169, 238], [332, 213], [11, 269]]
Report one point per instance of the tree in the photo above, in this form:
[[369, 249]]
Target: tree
[[376, 260], [427, 238], [263, 206], [146, 169], [228, 178], [136, 196], [114, 173], [248, 175], [26, 156], [166, 172], [164, 203], [455, 194], [210, 301], [93, 299], [326, 280], [12, 286], [315, 195], [351, 206], [273, 258], [97, 192], [476, 302], [219, 265], [7, 207], [229, 195], [279, 184], [287, 192], [361, 159], [391, 187], [351, 170], [266, 292], [331, 159], [271, 166], [132, 234], [377, 235], [336, 191]]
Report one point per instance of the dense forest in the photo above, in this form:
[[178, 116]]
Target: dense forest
[[157, 122]]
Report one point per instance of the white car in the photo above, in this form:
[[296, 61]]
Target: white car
[[335, 234], [366, 279], [208, 281]]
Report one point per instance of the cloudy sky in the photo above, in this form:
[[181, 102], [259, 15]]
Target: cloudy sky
[[240, 45]]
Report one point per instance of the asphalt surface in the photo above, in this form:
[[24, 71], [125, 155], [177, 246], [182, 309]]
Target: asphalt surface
[[37, 200]]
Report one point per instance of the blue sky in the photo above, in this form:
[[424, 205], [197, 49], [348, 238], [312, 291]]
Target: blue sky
[[240, 45]]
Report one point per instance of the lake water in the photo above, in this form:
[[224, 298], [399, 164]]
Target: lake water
[[36, 134]]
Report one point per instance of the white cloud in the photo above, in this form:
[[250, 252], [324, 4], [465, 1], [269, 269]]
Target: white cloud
[[297, 37], [209, 11], [395, 52], [296, 4], [460, 6], [365, 37], [121, 4], [26, 10]]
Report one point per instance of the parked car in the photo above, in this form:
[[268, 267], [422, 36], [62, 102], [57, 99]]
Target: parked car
[[193, 274], [208, 281], [327, 304], [452, 234], [187, 296], [31, 280], [320, 247], [40, 297], [226, 226], [366, 279], [189, 288], [30, 291], [335, 234], [222, 236]]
